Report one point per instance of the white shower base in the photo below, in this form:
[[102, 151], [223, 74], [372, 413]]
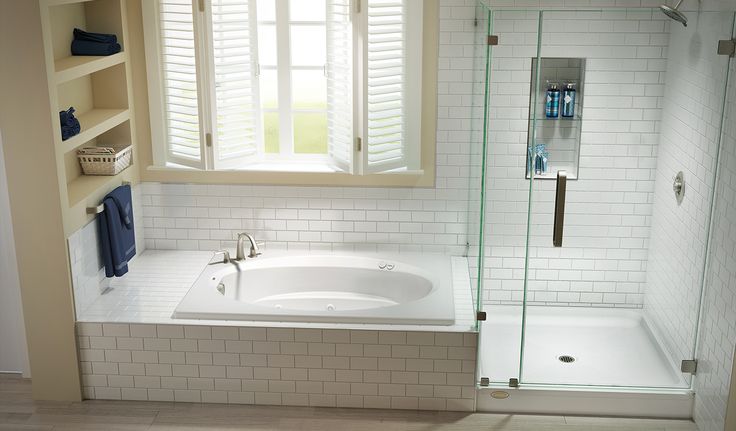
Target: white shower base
[[611, 347]]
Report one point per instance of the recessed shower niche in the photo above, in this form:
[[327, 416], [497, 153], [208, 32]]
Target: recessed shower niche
[[555, 117]]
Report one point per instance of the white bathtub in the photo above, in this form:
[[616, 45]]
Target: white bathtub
[[405, 289]]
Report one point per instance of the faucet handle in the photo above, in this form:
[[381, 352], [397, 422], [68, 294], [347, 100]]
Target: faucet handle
[[254, 249], [225, 257]]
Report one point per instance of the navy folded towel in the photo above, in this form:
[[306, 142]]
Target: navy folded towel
[[80, 34], [85, 47], [117, 235], [69, 124]]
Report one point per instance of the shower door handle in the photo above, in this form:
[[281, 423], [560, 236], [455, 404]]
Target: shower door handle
[[559, 222]]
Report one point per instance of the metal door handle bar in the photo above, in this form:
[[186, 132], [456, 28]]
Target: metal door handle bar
[[559, 208]]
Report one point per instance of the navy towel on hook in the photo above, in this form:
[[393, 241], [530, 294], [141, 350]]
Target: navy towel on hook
[[117, 234]]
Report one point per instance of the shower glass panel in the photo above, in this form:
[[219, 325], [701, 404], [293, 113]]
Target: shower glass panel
[[506, 192], [615, 262]]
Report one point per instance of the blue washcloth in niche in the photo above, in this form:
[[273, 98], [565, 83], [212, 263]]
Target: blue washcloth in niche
[[80, 34], [117, 234], [85, 47], [69, 124]]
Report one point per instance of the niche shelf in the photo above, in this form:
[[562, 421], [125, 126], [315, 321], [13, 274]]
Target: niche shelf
[[99, 89], [94, 123], [74, 67], [561, 135]]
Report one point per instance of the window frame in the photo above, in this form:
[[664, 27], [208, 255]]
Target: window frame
[[422, 175]]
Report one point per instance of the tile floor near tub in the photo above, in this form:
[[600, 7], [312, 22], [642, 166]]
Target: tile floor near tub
[[18, 412]]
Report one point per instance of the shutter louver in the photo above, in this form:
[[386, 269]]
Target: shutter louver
[[386, 56], [178, 62], [340, 83], [235, 97]]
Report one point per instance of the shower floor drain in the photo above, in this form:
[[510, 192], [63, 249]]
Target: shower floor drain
[[566, 359]]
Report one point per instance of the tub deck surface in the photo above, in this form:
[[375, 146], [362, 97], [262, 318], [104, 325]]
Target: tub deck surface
[[159, 279]]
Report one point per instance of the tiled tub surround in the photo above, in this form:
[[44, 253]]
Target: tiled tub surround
[[159, 279], [281, 366], [289, 363]]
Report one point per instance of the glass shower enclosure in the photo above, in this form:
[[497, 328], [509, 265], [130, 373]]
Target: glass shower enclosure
[[600, 148]]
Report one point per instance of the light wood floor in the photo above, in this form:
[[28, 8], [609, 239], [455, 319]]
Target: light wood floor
[[19, 412]]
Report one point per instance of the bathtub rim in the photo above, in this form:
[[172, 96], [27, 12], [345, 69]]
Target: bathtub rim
[[441, 297]]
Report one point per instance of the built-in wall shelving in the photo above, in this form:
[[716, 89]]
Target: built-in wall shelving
[[74, 67], [99, 89]]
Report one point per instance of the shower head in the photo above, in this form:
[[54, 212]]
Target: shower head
[[674, 13]]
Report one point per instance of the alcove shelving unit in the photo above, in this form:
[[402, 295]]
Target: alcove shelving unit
[[100, 90]]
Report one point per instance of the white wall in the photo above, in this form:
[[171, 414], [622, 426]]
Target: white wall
[[13, 350], [692, 116]]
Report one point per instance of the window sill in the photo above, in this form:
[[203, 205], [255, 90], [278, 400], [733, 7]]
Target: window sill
[[416, 178]]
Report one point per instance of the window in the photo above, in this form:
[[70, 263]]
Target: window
[[286, 85]]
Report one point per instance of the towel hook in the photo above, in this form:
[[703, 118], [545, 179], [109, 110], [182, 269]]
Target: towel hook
[[101, 207]]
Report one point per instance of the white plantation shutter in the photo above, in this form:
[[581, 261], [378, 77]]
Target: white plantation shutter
[[235, 107], [179, 82], [204, 85], [340, 83], [393, 63]]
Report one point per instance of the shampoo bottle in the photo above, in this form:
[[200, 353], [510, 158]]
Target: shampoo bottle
[[552, 107], [568, 100]]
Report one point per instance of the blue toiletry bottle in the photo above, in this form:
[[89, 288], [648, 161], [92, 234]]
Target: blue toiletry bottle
[[552, 108], [568, 100]]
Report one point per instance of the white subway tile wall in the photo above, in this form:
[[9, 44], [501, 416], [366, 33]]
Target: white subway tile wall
[[278, 366], [718, 331], [88, 276], [692, 116], [608, 209], [87, 272]]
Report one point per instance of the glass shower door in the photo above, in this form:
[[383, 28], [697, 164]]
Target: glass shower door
[[505, 191], [622, 103]]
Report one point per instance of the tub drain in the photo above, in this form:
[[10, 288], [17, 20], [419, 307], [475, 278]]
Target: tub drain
[[566, 359]]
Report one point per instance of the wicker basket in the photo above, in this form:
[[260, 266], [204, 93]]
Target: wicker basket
[[104, 160]]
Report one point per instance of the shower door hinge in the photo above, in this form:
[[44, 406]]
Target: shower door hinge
[[481, 316], [513, 383], [689, 366], [727, 47], [485, 381], [492, 40]]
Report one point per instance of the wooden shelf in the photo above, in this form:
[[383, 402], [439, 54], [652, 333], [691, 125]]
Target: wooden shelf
[[87, 186], [63, 2], [76, 66], [94, 123]]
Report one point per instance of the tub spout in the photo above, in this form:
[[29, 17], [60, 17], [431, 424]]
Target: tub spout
[[254, 251]]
